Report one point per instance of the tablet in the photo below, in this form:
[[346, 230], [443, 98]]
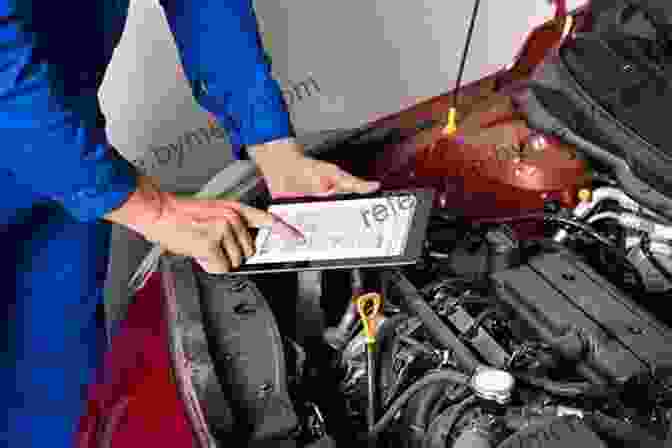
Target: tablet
[[344, 231]]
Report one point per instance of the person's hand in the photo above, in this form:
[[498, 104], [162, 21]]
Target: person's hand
[[213, 232], [288, 172]]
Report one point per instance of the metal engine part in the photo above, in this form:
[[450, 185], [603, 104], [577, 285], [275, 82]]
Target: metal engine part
[[636, 221], [580, 314], [654, 280]]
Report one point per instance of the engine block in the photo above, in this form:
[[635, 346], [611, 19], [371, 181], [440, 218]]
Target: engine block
[[558, 296]]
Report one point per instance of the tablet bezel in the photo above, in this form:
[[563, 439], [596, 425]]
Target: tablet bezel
[[412, 251]]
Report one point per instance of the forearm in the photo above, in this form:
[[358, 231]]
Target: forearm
[[233, 83], [51, 140]]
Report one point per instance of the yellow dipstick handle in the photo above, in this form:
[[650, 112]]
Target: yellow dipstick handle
[[369, 306], [451, 127]]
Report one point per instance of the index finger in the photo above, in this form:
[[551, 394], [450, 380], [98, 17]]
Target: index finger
[[217, 208], [255, 217]]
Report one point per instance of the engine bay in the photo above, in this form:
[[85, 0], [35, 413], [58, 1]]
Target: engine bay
[[536, 317], [495, 337]]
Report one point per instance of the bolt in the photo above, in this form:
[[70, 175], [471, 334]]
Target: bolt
[[244, 308], [265, 389], [569, 277], [239, 286]]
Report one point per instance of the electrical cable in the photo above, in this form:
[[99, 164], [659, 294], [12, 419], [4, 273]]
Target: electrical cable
[[548, 217]]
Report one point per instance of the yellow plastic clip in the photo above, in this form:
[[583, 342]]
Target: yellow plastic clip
[[451, 127], [567, 28], [369, 305], [585, 195]]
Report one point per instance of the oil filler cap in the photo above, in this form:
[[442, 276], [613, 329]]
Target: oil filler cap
[[492, 384]]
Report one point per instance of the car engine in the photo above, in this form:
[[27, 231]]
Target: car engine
[[499, 339]]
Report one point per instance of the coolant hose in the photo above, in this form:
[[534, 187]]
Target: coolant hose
[[437, 330], [448, 400], [443, 375], [416, 413], [442, 426]]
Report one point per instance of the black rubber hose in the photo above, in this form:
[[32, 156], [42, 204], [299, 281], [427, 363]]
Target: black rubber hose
[[447, 400], [530, 431], [417, 412], [384, 348], [443, 375], [622, 431], [568, 390], [451, 420], [437, 330], [564, 389]]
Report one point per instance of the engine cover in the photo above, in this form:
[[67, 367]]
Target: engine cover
[[561, 294]]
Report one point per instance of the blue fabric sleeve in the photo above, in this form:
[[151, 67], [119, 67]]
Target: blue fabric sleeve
[[57, 151], [231, 78]]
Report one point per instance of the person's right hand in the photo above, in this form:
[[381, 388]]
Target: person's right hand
[[213, 232]]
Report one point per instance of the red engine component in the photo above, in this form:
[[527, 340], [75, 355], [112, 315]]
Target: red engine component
[[495, 166]]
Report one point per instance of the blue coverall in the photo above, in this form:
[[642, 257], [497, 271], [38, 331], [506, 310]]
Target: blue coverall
[[59, 176]]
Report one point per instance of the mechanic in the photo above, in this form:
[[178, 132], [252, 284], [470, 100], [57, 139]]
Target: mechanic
[[63, 185]]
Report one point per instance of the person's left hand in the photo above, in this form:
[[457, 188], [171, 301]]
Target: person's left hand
[[290, 173]]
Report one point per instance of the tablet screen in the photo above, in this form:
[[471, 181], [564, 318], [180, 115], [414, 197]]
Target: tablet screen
[[357, 228]]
